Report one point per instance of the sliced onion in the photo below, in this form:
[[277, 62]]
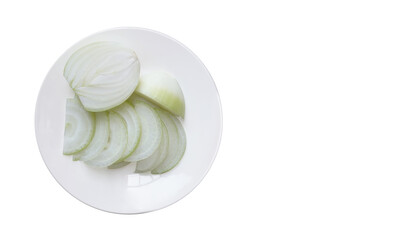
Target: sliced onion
[[128, 113], [162, 89], [116, 144], [99, 141], [177, 142], [157, 157], [79, 127], [151, 134], [102, 74]]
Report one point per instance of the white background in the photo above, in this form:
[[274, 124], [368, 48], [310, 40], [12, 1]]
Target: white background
[[310, 97]]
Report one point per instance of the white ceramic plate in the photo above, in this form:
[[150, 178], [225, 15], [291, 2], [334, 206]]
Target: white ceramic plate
[[119, 190]]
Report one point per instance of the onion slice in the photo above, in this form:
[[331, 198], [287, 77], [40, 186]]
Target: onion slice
[[177, 142], [157, 157], [99, 141], [116, 144], [164, 90], [133, 125], [79, 127], [102, 74], [151, 132]]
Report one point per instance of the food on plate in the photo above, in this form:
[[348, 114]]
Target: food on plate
[[117, 118], [79, 127], [103, 74], [163, 89]]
